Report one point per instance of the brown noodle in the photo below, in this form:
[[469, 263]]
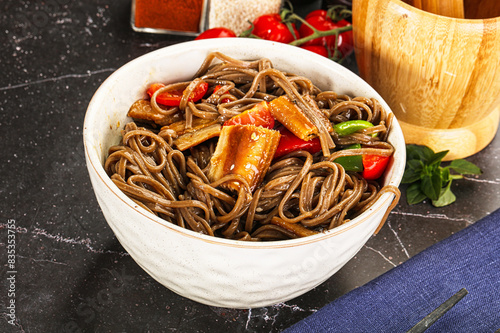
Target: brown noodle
[[301, 194]]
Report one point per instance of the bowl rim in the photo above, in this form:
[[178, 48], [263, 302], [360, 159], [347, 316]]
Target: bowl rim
[[94, 163]]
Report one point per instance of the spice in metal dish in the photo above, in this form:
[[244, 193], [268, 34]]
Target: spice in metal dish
[[169, 14], [236, 14]]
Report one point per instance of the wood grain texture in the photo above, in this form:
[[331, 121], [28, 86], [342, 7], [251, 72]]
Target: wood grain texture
[[450, 8], [435, 72], [481, 9]]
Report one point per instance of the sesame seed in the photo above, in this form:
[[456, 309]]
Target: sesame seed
[[236, 14]]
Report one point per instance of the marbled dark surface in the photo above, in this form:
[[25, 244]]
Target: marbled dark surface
[[71, 274]]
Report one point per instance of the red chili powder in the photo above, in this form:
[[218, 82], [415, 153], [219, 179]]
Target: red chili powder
[[168, 14]]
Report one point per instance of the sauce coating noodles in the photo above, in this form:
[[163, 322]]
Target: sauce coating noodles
[[301, 193]]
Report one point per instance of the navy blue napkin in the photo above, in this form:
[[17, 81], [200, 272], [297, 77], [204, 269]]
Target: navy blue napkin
[[400, 298]]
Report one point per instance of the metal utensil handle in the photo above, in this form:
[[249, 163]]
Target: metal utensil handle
[[432, 317]]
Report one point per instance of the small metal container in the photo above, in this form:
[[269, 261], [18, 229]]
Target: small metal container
[[191, 17], [174, 17]]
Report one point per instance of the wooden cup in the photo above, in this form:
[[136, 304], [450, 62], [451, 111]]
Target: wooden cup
[[440, 75]]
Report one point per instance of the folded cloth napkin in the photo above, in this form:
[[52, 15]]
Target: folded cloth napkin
[[400, 298]]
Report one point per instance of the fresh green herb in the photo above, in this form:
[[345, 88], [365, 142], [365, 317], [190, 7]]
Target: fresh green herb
[[429, 179]]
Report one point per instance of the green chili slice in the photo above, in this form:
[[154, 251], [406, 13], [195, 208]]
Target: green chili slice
[[351, 163], [351, 126]]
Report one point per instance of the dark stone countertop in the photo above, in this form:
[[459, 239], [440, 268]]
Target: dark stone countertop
[[71, 273]]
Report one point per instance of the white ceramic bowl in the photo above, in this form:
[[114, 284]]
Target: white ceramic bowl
[[214, 271]]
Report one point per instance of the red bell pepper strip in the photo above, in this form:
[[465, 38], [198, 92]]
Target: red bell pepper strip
[[371, 166], [258, 115], [153, 88], [173, 97], [290, 143], [374, 166]]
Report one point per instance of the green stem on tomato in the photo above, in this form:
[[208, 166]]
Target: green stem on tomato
[[248, 32], [318, 33], [338, 12], [291, 29], [289, 16]]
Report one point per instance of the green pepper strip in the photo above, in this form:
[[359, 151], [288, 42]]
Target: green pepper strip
[[351, 126], [351, 163]]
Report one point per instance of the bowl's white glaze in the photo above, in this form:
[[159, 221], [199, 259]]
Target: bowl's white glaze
[[213, 271]]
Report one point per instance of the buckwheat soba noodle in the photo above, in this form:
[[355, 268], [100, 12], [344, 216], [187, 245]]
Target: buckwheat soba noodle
[[185, 162]]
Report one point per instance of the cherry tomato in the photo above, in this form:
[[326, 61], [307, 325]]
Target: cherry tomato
[[271, 27], [259, 115], [319, 49], [319, 19], [218, 32], [173, 97]]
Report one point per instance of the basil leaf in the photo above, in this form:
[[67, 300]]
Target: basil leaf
[[431, 185], [410, 176], [446, 197], [416, 152], [437, 157], [416, 165], [429, 170], [414, 195], [411, 152], [465, 167], [428, 179], [413, 171], [445, 175]]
